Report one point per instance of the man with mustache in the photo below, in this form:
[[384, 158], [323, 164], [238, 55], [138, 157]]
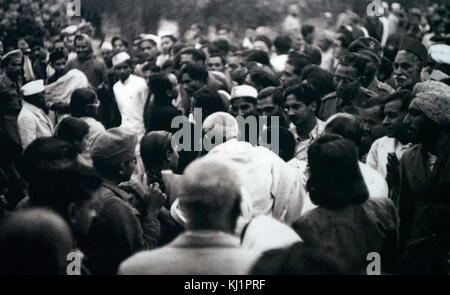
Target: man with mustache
[[408, 64], [424, 194], [350, 95]]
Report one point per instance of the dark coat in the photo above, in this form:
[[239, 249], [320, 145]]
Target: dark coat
[[351, 233], [116, 232], [424, 209]]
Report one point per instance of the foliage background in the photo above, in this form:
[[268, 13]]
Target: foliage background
[[137, 16]]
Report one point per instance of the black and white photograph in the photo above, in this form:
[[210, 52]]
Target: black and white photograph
[[246, 139]]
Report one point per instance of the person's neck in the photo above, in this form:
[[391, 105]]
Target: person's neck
[[13, 79], [165, 100], [437, 142], [305, 129], [125, 80], [115, 179], [84, 58], [39, 105]]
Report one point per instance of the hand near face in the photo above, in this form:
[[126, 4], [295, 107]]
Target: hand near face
[[154, 198], [392, 167]]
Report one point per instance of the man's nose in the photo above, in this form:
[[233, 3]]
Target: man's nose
[[407, 120]]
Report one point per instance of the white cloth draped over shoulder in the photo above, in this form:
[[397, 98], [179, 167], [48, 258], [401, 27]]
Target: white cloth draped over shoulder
[[274, 186], [61, 89]]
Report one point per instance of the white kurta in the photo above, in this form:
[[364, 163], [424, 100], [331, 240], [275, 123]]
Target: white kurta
[[33, 123], [131, 97], [274, 186], [378, 154]]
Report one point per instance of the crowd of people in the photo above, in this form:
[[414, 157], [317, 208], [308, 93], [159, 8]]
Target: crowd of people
[[132, 157]]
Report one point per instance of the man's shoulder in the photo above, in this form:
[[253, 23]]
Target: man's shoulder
[[145, 261], [368, 93], [410, 153], [329, 96]]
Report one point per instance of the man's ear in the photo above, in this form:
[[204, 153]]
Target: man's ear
[[72, 213], [168, 154], [313, 106]]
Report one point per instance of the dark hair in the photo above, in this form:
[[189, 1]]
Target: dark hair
[[264, 39], [151, 66], [79, 99], [298, 259], [298, 61], [307, 29], [314, 54], [286, 141], [208, 100], [46, 152], [282, 44], [403, 95], [154, 148], [304, 93], [320, 79], [221, 46], [196, 72], [72, 129], [34, 241], [117, 38], [277, 94], [348, 126], [57, 188], [258, 56], [335, 180], [263, 79], [196, 54], [354, 61], [159, 85]]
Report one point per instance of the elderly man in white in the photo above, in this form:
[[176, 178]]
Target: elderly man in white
[[274, 187], [33, 121]]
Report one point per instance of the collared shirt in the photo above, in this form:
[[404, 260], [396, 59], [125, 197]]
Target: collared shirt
[[378, 153], [33, 123], [332, 104], [131, 96], [301, 151]]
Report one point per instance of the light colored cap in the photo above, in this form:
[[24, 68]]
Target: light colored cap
[[106, 46], [33, 87], [120, 58], [70, 30], [440, 53], [152, 37], [244, 91]]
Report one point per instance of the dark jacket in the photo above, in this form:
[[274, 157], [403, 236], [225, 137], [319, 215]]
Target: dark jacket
[[117, 232], [424, 209], [159, 116], [332, 104], [351, 233]]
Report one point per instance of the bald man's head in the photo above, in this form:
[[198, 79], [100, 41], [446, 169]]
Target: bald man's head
[[212, 194], [218, 128], [34, 241]]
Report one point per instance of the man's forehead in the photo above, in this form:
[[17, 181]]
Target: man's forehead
[[215, 59], [268, 100], [241, 100], [404, 55], [346, 71], [393, 105], [186, 56]]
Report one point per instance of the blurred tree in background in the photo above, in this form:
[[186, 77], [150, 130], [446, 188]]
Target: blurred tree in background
[[137, 16]]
